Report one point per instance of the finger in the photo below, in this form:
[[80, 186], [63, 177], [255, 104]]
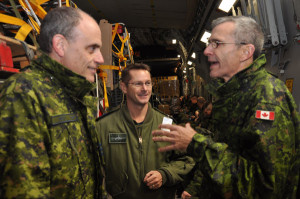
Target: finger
[[185, 195], [147, 176], [188, 125], [172, 127], [154, 179], [167, 148], [158, 132], [151, 179], [163, 133], [163, 139]]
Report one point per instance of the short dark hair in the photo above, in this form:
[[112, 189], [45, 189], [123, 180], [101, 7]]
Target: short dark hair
[[61, 20], [137, 66]]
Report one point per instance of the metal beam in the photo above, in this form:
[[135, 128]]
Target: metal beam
[[280, 22], [210, 6], [272, 22], [160, 60]]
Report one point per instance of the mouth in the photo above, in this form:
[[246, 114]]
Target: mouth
[[92, 69], [145, 95], [213, 63]]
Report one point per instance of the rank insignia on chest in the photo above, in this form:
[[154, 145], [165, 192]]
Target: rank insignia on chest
[[265, 115], [117, 138]]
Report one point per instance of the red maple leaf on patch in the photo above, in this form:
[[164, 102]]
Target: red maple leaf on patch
[[265, 115]]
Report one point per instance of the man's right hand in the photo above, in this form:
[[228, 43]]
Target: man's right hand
[[179, 137]]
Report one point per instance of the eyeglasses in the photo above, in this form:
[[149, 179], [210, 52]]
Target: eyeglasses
[[140, 84], [215, 44]]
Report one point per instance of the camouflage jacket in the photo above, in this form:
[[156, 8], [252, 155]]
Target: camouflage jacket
[[47, 134], [130, 154], [246, 154]]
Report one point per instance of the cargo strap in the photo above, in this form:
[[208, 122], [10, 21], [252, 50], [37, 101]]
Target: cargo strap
[[23, 31]]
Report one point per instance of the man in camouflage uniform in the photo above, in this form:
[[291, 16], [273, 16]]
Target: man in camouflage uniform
[[48, 145], [134, 169], [252, 151]]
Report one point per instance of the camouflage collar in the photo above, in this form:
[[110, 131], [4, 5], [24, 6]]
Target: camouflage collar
[[74, 84], [218, 87]]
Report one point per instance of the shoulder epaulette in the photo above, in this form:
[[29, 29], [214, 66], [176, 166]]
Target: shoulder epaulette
[[108, 113], [170, 116]]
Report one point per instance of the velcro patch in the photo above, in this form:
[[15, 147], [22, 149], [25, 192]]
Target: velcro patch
[[59, 119], [117, 138]]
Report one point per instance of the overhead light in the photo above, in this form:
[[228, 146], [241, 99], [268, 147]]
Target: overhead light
[[193, 55], [205, 37], [190, 63], [174, 41], [184, 71], [226, 5], [178, 56]]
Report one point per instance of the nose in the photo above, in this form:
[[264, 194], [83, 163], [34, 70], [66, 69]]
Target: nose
[[144, 87], [99, 57], [208, 50]]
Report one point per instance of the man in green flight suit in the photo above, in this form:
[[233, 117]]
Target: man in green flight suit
[[252, 147], [48, 142], [133, 166]]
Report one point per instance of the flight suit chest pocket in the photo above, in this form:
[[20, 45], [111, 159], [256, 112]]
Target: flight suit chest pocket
[[116, 159]]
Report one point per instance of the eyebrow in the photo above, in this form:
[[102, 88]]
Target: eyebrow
[[210, 40], [93, 45]]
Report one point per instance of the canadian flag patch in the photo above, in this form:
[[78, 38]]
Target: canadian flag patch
[[265, 115]]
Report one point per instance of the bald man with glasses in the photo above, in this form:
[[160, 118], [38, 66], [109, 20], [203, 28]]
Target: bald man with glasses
[[133, 166], [251, 147]]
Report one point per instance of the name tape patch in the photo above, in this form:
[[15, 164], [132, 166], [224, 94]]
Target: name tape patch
[[117, 138], [59, 119]]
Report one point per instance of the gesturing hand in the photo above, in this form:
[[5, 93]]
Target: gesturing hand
[[179, 137]]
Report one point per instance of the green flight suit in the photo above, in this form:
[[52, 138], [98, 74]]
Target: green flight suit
[[48, 144], [130, 157], [244, 156]]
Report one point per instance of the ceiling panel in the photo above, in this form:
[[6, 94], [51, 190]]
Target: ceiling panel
[[142, 13]]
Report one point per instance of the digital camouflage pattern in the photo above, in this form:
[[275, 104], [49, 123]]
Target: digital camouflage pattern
[[127, 160], [48, 144], [245, 157]]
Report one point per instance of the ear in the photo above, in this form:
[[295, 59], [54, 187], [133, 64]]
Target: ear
[[247, 52], [123, 87], [58, 44]]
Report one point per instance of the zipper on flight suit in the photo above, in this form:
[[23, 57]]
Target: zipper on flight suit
[[140, 141]]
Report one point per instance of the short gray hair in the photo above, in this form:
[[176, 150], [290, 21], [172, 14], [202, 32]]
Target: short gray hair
[[247, 30], [61, 20]]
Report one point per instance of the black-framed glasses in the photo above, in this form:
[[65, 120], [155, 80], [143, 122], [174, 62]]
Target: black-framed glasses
[[140, 84], [215, 44]]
